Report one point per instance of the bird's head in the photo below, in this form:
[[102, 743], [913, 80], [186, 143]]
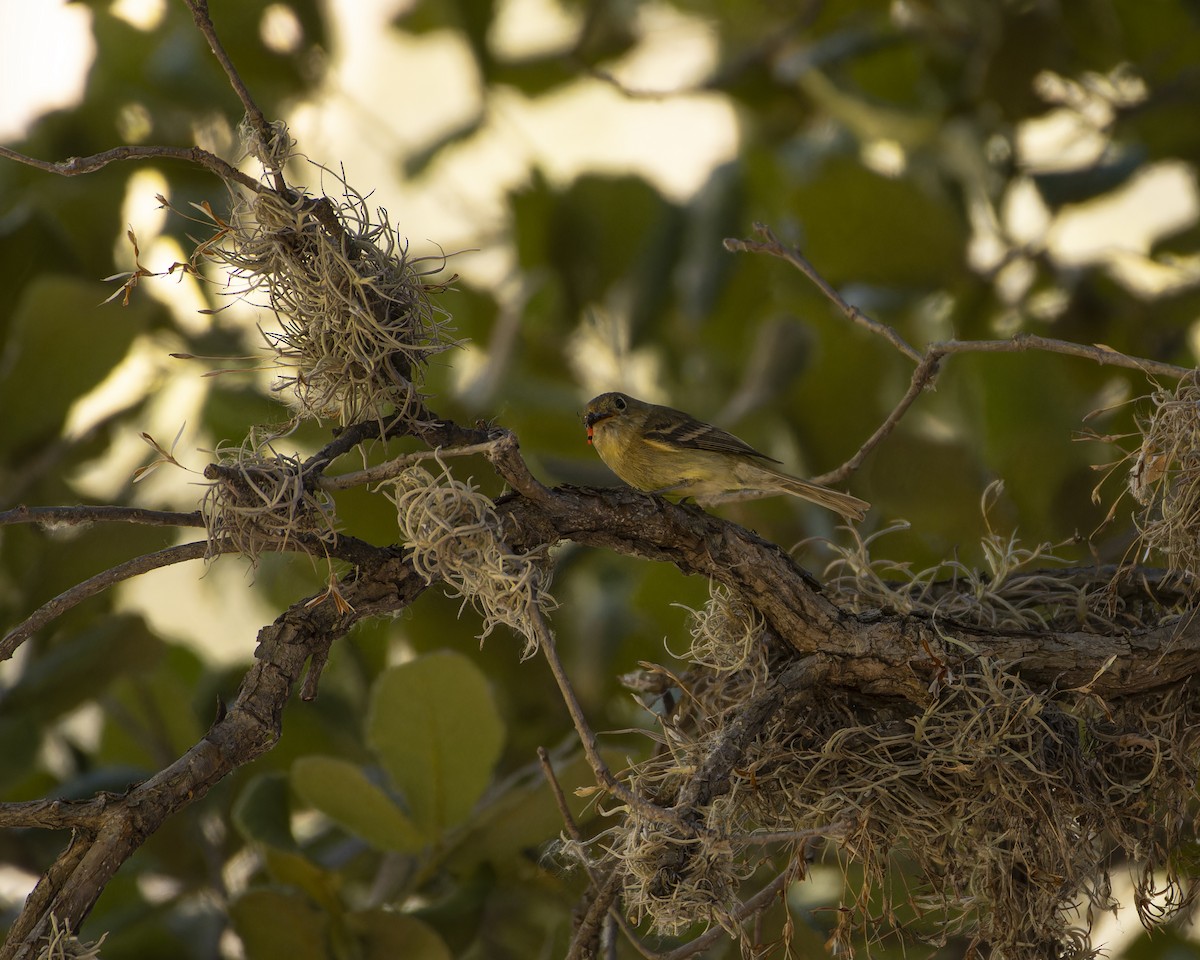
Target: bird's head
[[605, 407]]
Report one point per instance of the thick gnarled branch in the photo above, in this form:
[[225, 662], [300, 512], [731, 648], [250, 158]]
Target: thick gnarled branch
[[885, 653]]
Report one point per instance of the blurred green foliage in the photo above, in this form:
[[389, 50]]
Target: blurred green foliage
[[403, 813]]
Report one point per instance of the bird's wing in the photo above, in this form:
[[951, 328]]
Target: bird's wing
[[674, 429]]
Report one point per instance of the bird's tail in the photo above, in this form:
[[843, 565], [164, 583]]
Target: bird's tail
[[844, 503], [760, 480]]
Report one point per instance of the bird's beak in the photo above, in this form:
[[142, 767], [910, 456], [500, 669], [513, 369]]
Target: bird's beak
[[591, 418]]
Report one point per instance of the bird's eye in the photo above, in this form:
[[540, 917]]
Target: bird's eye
[[619, 403]]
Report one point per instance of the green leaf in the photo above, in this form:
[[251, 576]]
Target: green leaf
[[436, 728], [80, 667], [1061, 187], [274, 924], [598, 232], [386, 935], [470, 18], [29, 238], [320, 886], [419, 162], [1028, 409], [341, 791], [59, 347], [152, 713], [525, 817], [262, 812], [896, 232], [20, 742]]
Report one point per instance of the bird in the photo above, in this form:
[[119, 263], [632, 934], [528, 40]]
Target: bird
[[662, 450]]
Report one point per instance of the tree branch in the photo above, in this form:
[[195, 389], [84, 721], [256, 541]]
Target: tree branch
[[929, 362], [587, 738], [345, 548], [251, 727], [85, 515], [922, 377], [262, 129], [54, 814], [77, 166], [394, 467], [882, 654], [53, 609], [887, 653], [770, 244]]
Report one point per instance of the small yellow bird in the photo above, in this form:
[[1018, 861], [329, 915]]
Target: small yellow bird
[[662, 450]]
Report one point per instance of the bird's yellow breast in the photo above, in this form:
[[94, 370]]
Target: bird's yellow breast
[[632, 459]]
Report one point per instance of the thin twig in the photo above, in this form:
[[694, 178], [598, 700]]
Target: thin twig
[[1101, 354], [928, 363], [424, 426], [589, 927], [573, 831], [760, 901], [560, 801], [262, 128], [922, 376], [586, 737], [350, 549], [771, 245], [53, 609], [396, 466], [1019, 343], [928, 369], [76, 166], [84, 515]]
